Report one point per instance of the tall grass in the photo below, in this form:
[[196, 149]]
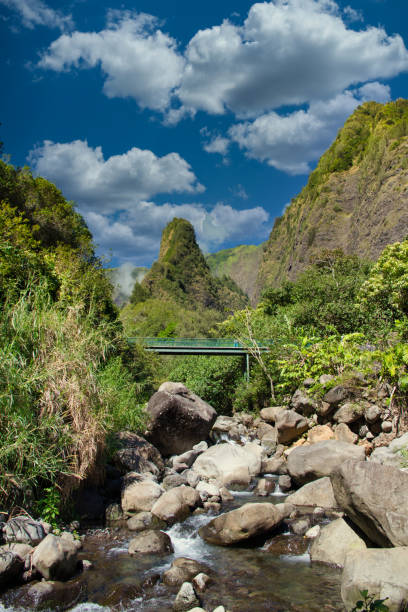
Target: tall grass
[[62, 388]]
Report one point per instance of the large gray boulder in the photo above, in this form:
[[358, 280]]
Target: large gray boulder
[[150, 542], [182, 570], [392, 454], [334, 542], [230, 464], [306, 463], [375, 497], [24, 530], [248, 521], [140, 496], [186, 598], [289, 426], [11, 567], [348, 413], [303, 403], [382, 573], [179, 419], [318, 493], [135, 454], [176, 504], [56, 558]]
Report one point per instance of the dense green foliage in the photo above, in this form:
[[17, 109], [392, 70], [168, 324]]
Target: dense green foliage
[[67, 377], [332, 320], [214, 378]]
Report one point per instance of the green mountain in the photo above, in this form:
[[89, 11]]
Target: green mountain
[[355, 200], [182, 274], [240, 263]]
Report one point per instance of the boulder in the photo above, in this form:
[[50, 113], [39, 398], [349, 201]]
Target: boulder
[[151, 542], [318, 493], [176, 504], [244, 523], [135, 454], [208, 489], [144, 520], [173, 480], [319, 434], [24, 530], [325, 378], [392, 454], [343, 433], [383, 573], [290, 425], [348, 413], [375, 497], [285, 483], [386, 426], [201, 582], [140, 496], [308, 463], [336, 395], [182, 570], [264, 487], [269, 414], [56, 558], [274, 465], [186, 598], [285, 544], [334, 542], [302, 403], [230, 464], [178, 420], [372, 413], [11, 567], [265, 430]]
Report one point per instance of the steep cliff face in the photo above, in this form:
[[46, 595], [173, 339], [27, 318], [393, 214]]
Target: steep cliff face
[[355, 200], [181, 273], [240, 263]]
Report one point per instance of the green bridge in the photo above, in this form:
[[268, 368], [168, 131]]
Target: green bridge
[[200, 346]]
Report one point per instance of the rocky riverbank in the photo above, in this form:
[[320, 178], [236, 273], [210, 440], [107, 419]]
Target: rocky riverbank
[[327, 473]]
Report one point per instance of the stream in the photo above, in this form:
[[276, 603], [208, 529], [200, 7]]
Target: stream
[[276, 577]]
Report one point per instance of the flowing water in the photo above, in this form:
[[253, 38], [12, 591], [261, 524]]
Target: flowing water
[[277, 576]]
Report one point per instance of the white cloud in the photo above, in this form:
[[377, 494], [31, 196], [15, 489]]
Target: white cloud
[[115, 183], [288, 52], [112, 195], [374, 91], [36, 12], [135, 234], [138, 59], [291, 142], [218, 144]]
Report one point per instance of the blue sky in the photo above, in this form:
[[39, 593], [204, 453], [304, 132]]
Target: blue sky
[[216, 112]]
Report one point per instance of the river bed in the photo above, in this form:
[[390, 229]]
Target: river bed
[[244, 578]]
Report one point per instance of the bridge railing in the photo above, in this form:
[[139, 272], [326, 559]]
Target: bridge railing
[[210, 343]]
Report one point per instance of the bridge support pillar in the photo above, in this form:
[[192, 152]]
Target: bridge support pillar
[[247, 367]]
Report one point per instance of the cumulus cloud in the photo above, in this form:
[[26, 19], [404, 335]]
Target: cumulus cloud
[[135, 234], [107, 185], [286, 52], [291, 142], [137, 58], [218, 144], [112, 195], [36, 12]]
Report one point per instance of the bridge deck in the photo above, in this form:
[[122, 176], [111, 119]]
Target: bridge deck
[[194, 346]]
